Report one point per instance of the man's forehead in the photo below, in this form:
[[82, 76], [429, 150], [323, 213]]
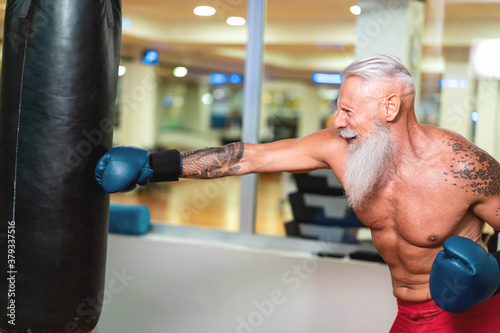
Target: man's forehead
[[351, 88], [357, 83], [357, 87], [347, 102]]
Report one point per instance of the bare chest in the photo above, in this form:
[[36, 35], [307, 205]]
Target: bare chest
[[420, 212]]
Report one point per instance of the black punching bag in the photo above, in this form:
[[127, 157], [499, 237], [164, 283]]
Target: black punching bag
[[59, 79]]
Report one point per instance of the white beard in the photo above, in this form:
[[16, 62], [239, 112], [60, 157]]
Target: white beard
[[366, 163]]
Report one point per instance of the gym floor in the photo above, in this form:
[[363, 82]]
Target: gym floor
[[214, 203], [193, 283]]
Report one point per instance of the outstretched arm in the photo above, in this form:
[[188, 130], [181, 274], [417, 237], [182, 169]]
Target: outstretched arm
[[236, 159], [122, 167]]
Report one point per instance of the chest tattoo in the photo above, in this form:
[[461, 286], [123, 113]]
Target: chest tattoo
[[479, 170]]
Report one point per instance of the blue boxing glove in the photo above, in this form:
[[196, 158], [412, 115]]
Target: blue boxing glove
[[121, 168], [463, 275]]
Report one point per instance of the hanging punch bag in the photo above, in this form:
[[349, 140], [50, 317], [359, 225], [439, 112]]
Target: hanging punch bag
[[58, 90]]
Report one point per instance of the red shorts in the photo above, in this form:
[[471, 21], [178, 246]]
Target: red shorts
[[416, 317]]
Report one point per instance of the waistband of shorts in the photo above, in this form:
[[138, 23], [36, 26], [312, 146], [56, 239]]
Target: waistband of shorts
[[417, 305], [418, 310]]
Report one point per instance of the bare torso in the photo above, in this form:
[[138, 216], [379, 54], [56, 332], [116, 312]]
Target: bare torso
[[441, 187], [419, 205]]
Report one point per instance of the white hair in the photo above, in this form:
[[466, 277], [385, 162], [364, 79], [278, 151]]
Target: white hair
[[380, 66], [367, 163]]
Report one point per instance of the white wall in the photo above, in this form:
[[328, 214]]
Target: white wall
[[157, 284], [488, 106], [457, 104]]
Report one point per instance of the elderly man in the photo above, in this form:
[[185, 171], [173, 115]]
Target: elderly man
[[424, 192]]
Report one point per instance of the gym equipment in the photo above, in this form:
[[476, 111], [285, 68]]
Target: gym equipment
[[129, 219], [59, 80]]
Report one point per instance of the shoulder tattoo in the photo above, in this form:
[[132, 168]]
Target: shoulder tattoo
[[473, 170]]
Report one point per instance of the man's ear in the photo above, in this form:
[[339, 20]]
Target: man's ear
[[392, 107]]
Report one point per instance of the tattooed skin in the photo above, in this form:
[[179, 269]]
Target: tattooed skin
[[210, 163], [479, 170]]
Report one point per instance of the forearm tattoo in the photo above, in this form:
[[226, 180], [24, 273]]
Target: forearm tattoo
[[216, 162], [479, 170]]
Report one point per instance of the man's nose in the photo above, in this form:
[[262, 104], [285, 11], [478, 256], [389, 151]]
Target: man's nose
[[339, 122]]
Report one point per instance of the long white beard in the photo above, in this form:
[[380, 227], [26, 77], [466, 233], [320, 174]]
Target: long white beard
[[366, 163]]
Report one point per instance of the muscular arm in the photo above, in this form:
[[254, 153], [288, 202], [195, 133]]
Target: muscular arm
[[215, 162], [236, 159], [481, 174]]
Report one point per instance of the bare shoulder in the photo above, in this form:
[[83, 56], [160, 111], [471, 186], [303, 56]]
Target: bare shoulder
[[470, 167], [329, 133], [324, 140], [326, 145]]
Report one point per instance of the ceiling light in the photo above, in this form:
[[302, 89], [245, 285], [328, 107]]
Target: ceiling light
[[218, 78], [356, 10], [484, 58], [126, 23], [474, 116], [327, 78], [151, 57], [453, 83], [219, 93], [122, 70], [180, 71], [236, 21], [204, 11], [235, 78], [207, 99]]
